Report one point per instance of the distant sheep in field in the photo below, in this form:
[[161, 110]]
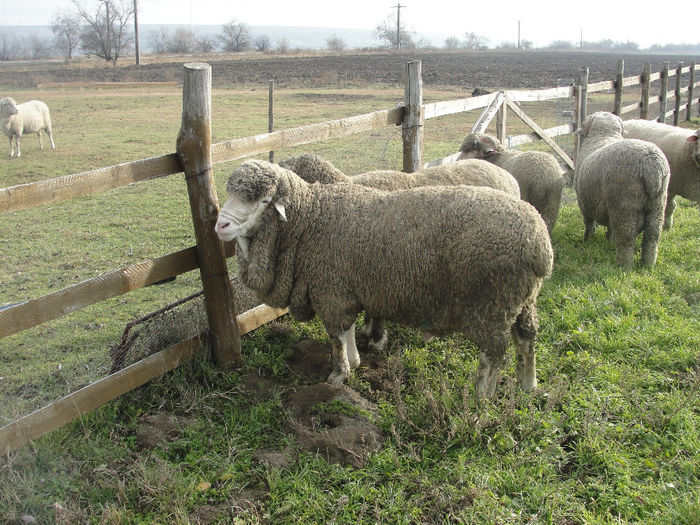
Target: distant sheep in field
[[29, 117], [537, 172], [621, 183], [682, 149]]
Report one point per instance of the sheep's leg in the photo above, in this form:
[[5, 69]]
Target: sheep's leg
[[377, 339], [523, 332], [590, 228], [353, 354], [19, 153], [339, 349], [48, 132], [668, 214], [12, 147], [491, 360], [650, 237], [41, 144], [366, 330]]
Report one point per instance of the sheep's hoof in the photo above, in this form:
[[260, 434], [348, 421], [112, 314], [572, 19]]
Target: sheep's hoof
[[336, 379], [377, 346]]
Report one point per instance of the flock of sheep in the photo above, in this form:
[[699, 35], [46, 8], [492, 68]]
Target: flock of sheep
[[460, 247]]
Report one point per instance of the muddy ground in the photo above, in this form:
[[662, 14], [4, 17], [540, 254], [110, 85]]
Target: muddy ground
[[467, 69]]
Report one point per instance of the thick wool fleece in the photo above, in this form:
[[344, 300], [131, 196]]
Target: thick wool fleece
[[682, 150], [621, 184], [537, 172], [445, 258]]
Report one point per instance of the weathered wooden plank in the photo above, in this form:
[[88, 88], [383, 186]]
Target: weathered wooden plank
[[539, 95], [247, 146], [516, 140], [489, 112], [654, 76], [631, 81], [94, 395], [106, 286], [58, 189], [617, 105], [194, 149], [605, 85], [630, 108], [101, 85], [541, 132], [451, 107]]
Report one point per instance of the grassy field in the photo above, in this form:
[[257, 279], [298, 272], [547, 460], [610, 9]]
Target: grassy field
[[611, 436]]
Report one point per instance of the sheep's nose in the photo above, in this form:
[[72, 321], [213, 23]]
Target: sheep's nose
[[220, 225]]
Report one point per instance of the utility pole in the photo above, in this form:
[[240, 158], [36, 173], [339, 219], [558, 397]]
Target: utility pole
[[398, 24], [136, 33], [518, 32], [109, 23]]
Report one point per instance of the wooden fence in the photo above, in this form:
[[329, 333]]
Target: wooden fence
[[195, 156]]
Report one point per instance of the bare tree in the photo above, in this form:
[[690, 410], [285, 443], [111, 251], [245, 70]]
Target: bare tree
[[474, 41], [106, 33], [182, 42], [206, 44], [235, 36], [386, 31], [452, 42], [335, 43], [66, 31], [262, 43]]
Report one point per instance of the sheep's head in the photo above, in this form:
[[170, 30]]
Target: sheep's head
[[694, 141], [601, 122], [252, 187], [8, 107], [313, 168], [479, 146]]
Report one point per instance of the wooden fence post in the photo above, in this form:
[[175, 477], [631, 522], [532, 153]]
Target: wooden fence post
[[194, 150], [645, 81], [691, 89], [581, 105], [271, 114], [617, 108], [501, 122], [677, 94], [663, 93], [412, 122]]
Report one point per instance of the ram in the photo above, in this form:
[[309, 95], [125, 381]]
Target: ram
[[444, 259]]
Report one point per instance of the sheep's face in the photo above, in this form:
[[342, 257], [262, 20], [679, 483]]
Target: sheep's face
[[479, 146], [8, 107], [695, 141]]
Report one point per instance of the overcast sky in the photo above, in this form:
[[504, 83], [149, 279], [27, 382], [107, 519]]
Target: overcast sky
[[541, 22]]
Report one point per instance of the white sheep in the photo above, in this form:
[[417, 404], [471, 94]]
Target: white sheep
[[472, 172], [621, 183], [538, 173], [682, 150], [445, 259], [29, 117]]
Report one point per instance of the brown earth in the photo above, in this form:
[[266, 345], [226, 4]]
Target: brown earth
[[467, 69]]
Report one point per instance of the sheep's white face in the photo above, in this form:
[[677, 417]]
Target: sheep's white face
[[8, 107], [238, 218]]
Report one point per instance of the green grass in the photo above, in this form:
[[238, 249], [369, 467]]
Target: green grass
[[611, 436]]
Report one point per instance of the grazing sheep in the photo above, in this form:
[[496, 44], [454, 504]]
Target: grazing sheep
[[18, 119], [621, 183], [440, 258], [538, 173], [473, 172], [682, 150]]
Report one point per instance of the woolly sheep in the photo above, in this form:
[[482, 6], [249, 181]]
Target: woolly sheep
[[313, 168], [682, 151], [29, 117], [446, 259], [621, 183], [538, 173]]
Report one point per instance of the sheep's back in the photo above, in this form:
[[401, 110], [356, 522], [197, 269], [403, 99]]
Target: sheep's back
[[34, 115]]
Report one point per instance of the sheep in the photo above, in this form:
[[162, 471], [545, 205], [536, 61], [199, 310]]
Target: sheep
[[538, 173], [29, 117], [446, 259], [313, 168], [621, 183], [682, 151]]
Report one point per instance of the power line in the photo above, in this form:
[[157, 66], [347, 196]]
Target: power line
[[398, 24]]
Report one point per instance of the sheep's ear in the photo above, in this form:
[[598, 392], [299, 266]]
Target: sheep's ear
[[280, 209], [692, 138], [487, 146]]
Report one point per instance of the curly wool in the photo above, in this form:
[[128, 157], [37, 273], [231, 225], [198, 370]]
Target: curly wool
[[621, 183], [683, 158], [537, 172]]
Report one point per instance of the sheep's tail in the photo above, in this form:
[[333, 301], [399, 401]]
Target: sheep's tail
[[541, 253], [654, 186]]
